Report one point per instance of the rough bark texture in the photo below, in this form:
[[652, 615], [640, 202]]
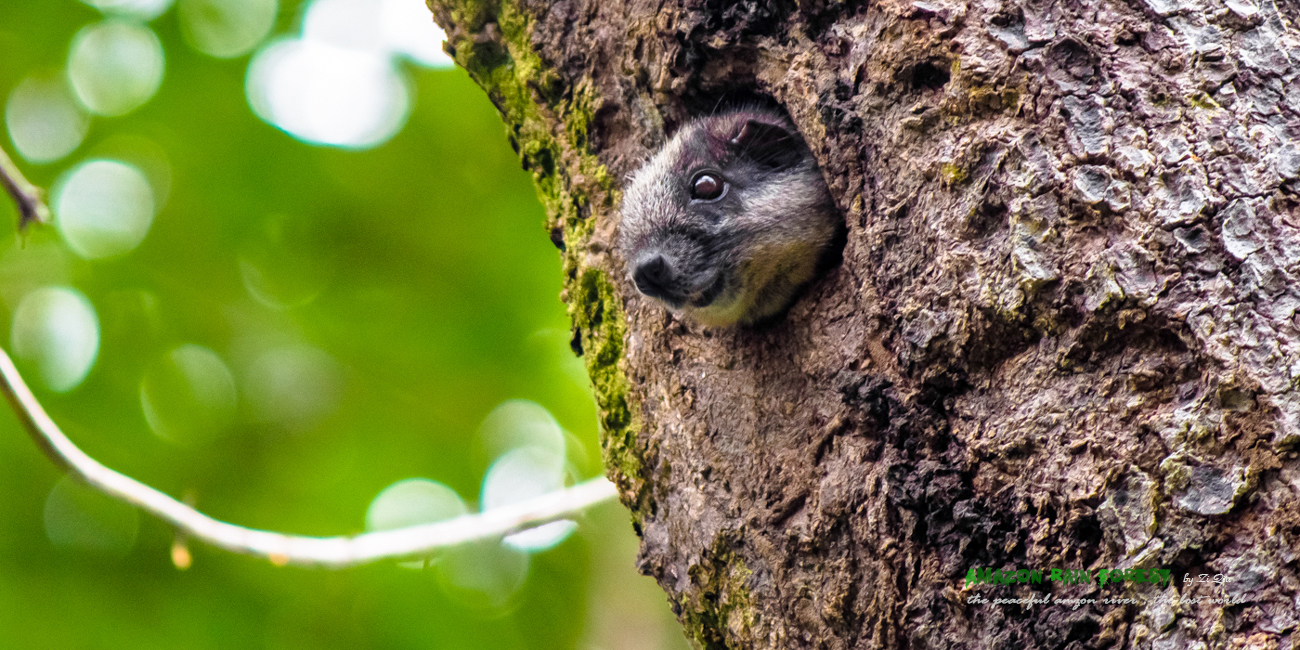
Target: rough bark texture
[[1064, 333]]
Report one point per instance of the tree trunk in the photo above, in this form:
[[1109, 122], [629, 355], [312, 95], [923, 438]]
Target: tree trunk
[[1064, 333]]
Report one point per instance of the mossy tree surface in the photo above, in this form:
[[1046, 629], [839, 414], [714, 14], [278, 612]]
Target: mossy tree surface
[[1064, 334]]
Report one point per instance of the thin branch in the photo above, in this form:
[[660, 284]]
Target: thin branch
[[31, 204], [281, 549]]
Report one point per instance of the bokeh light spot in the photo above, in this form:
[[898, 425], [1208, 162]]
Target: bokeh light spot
[[55, 330], [338, 84], [80, 518], [351, 24], [146, 156], [142, 9], [103, 208], [189, 397], [325, 94], [44, 121], [483, 575], [520, 475], [285, 263], [226, 28], [520, 423], [408, 29], [413, 502], [293, 387], [115, 66]]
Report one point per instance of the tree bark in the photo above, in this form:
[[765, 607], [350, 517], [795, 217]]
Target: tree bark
[[1064, 333]]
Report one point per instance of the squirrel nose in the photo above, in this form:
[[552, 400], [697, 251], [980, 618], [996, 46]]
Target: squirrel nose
[[653, 276]]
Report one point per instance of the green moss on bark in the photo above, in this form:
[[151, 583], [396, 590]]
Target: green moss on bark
[[550, 130], [721, 614], [492, 41]]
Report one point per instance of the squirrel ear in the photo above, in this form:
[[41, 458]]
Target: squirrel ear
[[769, 145]]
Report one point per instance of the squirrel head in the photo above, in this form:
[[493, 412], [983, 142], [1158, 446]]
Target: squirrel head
[[728, 220]]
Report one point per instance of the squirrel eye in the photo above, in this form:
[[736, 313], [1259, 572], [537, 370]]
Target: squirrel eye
[[707, 187]]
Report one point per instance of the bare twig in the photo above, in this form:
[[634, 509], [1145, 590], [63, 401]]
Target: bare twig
[[31, 205], [281, 549]]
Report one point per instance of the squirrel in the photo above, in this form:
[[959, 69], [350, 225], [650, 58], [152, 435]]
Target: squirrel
[[729, 220]]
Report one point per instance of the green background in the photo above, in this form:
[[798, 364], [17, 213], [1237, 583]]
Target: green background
[[438, 301]]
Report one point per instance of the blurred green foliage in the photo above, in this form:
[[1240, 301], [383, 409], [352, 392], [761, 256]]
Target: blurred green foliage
[[417, 272]]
